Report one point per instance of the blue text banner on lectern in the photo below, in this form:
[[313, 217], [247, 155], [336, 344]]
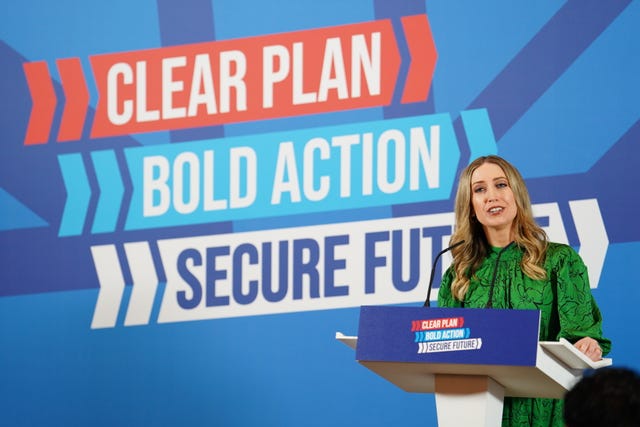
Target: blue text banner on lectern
[[448, 335]]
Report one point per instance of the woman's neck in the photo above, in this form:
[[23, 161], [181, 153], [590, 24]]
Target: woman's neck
[[499, 238]]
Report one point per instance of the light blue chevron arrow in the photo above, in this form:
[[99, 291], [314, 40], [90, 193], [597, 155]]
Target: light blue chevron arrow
[[78, 190], [111, 191], [479, 132]]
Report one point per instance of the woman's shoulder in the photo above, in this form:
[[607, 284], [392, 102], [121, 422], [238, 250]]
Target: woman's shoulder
[[559, 248], [561, 252]]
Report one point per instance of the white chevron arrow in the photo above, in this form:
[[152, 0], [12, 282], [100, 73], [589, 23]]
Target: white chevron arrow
[[112, 285], [145, 283], [592, 234], [105, 260]]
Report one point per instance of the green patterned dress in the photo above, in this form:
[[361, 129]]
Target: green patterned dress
[[567, 307]]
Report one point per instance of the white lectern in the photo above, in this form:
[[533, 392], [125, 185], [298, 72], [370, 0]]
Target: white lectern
[[470, 358]]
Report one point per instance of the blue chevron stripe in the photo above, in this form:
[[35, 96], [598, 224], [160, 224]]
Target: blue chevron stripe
[[111, 191], [76, 183], [477, 126], [15, 215]]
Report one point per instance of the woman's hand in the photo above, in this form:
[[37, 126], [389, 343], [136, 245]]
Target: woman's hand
[[589, 347]]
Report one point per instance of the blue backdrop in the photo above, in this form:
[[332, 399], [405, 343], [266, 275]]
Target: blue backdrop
[[194, 270]]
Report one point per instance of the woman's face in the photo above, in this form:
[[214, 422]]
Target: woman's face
[[492, 199]]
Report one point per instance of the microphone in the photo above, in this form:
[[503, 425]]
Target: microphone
[[427, 303]]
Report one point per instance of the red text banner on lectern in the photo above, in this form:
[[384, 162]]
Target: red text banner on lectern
[[448, 335]]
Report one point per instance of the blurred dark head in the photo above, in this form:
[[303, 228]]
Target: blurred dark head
[[604, 397]]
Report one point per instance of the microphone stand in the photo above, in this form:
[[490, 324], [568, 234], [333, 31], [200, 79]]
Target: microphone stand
[[427, 302]]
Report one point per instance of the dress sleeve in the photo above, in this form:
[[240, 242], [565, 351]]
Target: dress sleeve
[[577, 309], [445, 297]]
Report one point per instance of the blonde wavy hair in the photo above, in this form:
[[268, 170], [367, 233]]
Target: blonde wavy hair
[[528, 234]]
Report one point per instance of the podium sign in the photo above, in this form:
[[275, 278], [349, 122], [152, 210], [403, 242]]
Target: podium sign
[[448, 335], [409, 346], [470, 358]]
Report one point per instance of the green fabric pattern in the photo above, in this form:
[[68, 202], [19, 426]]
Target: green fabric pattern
[[567, 310]]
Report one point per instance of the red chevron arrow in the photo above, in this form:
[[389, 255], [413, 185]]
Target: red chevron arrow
[[423, 54], [76, 97], [44, 101]]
